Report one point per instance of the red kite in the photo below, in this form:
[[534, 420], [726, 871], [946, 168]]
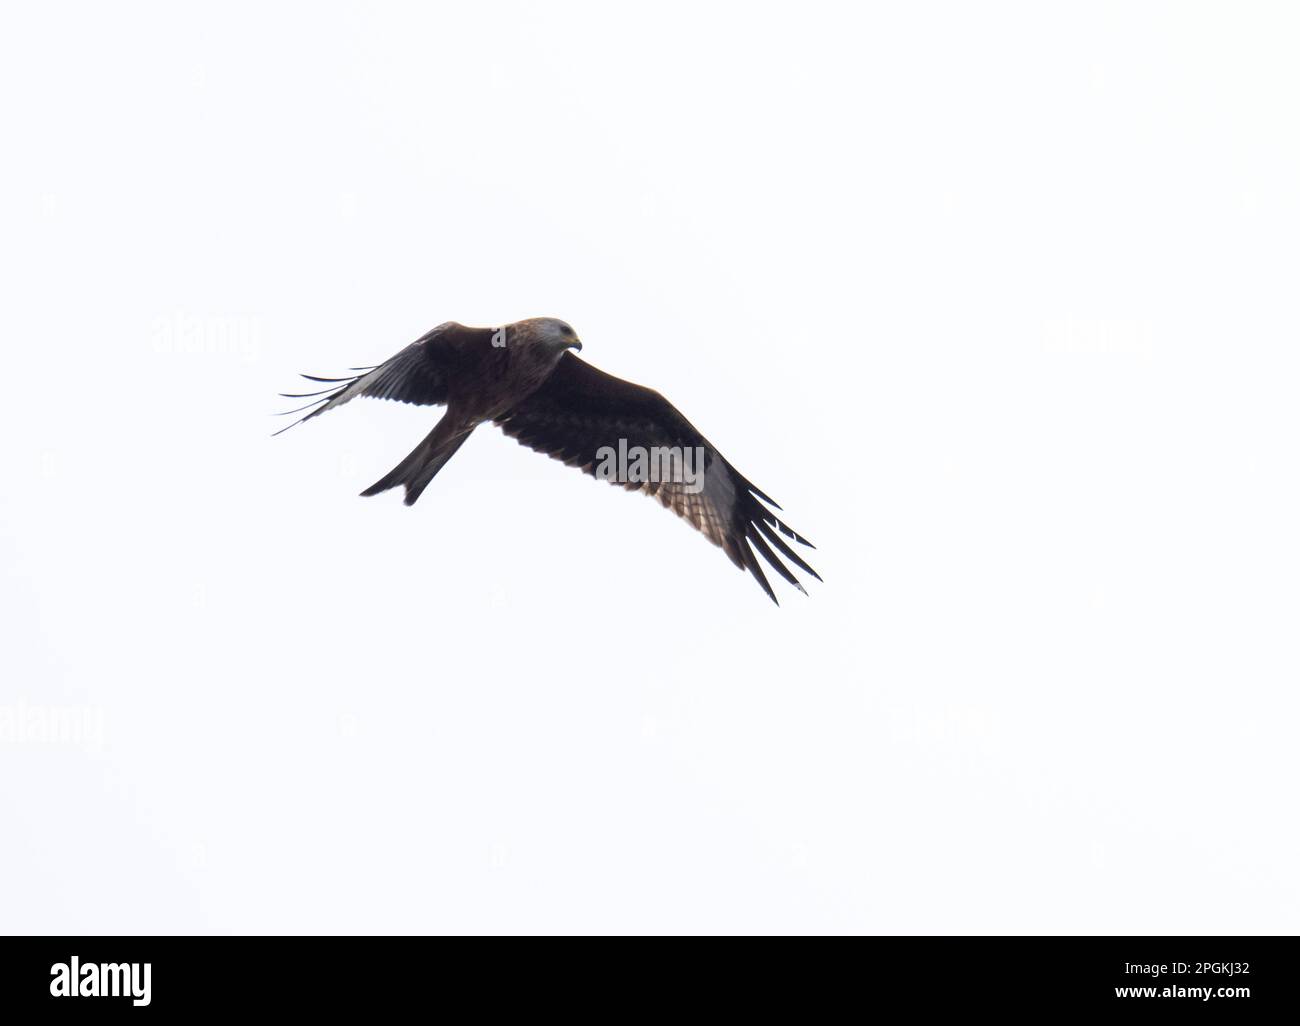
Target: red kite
[[523, 378]]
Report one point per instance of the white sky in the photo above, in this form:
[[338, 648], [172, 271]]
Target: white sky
[[999, 301]]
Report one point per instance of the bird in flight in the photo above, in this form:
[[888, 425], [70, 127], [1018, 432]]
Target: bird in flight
[[524, 378]]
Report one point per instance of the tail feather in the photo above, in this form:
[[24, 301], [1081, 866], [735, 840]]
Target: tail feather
[[420, 466]]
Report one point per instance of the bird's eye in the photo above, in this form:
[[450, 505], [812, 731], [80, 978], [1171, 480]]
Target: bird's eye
[[566, 330]]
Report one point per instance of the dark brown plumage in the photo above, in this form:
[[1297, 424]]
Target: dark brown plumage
[[523, 378]]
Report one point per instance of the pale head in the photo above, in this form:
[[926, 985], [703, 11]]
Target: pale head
[[551, 332]]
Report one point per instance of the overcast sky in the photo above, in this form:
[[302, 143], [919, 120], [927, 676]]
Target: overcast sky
[[998, 301]]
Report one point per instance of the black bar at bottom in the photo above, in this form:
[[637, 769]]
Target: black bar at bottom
[[161, 977]]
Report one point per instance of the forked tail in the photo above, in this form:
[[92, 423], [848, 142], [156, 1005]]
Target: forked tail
[[424, 461]]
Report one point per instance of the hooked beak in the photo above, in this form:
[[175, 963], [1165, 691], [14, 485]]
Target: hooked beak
[[575, 344]]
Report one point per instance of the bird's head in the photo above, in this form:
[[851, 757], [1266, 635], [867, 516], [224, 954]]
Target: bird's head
[[553, 333]]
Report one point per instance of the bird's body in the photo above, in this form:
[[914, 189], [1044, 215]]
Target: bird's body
[[523, 377]]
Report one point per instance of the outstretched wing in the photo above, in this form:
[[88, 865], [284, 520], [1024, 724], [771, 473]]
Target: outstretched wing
[[418, 374], [581, 414]]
